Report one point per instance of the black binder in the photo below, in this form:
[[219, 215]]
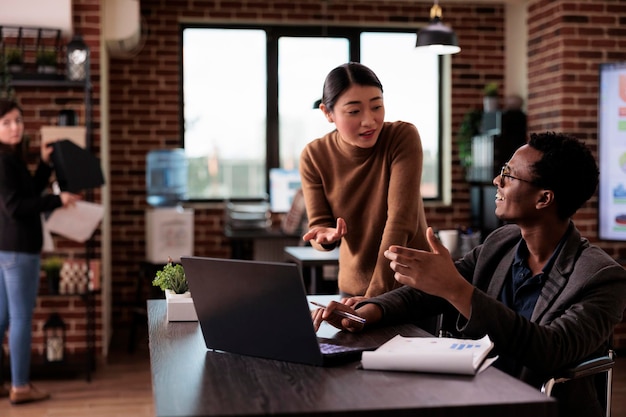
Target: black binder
[[76, 168]]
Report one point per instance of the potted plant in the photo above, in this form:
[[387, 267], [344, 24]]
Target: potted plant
[[470, 127], [14, 59], [172, 280], [490, 97], [46, 60], [52, 268]]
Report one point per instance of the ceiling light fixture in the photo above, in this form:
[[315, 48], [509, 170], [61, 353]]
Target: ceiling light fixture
[[437, 38]]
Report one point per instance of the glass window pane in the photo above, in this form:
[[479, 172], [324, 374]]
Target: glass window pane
[[303, 64], [225, 102], [411, 91], [224, 84]]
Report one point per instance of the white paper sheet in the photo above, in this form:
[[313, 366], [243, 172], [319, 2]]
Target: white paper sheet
[[76, 223], [48, 243]]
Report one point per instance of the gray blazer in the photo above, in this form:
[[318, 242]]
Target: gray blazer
[[581, 301]]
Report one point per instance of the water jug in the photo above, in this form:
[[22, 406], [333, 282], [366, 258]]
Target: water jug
[[166, 177]]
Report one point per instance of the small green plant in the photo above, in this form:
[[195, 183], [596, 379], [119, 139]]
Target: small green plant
[[52, 267], [171, 277], [13, 57], [52, 264], [46, 58], [470, 127], [491, 90], [6, 89]]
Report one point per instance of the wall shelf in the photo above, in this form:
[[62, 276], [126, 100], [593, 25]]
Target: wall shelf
[[58, 84], [61, 83]]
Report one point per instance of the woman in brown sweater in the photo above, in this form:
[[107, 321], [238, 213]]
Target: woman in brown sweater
[[361, 183]]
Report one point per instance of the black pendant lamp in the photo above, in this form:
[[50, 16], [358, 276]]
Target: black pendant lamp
[[437, 38]]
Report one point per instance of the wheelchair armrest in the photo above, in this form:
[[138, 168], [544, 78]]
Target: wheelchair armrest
[[590, 367]]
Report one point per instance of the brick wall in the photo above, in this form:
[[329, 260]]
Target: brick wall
[[567, 41]]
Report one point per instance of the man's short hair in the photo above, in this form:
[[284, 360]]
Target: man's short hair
[[566, 167]]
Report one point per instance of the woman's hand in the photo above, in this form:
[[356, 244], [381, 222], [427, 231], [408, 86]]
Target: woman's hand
[[327, 235], [69, 199]]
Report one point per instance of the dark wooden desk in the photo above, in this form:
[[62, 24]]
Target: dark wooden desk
[[189, 380], [311, 262]]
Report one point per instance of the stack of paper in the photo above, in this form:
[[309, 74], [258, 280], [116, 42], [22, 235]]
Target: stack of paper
[[77, 222], [431, 354]]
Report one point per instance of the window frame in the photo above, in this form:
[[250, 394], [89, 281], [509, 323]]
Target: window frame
[[273, 33]]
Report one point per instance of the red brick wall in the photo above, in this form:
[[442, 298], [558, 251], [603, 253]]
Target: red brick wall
[[567, 41]]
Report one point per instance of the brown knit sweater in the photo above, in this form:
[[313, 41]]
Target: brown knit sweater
[[376, 191]]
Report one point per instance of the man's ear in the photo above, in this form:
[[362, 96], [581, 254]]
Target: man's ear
[[328, 114], [546, 198]]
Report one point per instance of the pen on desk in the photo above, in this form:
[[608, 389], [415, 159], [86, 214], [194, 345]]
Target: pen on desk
[[341, 313]]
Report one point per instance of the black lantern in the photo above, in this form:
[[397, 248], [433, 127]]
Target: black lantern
[[54, 338], [77, 59]]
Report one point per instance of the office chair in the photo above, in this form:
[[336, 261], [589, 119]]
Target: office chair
[[591, 367]]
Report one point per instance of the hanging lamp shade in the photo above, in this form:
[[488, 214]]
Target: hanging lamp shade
[[437, 38]]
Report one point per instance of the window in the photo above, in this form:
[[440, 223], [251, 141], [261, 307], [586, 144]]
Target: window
[[249, 95]]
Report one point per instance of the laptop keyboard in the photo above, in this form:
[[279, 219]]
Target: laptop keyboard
[[332, 349]]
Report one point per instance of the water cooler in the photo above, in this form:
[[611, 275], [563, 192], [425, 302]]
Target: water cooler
[[169, 226]]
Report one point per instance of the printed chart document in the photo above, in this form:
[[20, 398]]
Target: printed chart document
[[76, 223], [430, 354]]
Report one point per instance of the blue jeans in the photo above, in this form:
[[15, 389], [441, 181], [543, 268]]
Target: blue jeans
[[19, 285]]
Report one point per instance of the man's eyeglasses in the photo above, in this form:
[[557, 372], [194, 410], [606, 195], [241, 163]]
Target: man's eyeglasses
[[506, 172]]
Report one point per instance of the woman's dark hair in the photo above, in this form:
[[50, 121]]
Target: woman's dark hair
[[343, 77], [566, 167], [7, 105]]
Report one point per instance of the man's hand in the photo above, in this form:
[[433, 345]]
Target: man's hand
[[330, 315], [431, 272]]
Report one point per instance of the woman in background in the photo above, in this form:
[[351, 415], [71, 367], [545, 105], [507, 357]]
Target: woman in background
[[21, 205], [361, 183]]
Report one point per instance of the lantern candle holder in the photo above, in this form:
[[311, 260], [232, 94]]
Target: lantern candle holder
[[54, 339], [77, 59]]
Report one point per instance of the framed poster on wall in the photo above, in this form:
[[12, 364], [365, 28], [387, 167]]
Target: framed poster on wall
[[612, 152]]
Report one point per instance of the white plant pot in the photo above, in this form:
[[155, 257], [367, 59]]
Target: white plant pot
[[171, 294], [180, 307]]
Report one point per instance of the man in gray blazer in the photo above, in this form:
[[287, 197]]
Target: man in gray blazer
[[546, 297]]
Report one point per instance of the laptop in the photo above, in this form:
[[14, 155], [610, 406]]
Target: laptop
[[260, 309]]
